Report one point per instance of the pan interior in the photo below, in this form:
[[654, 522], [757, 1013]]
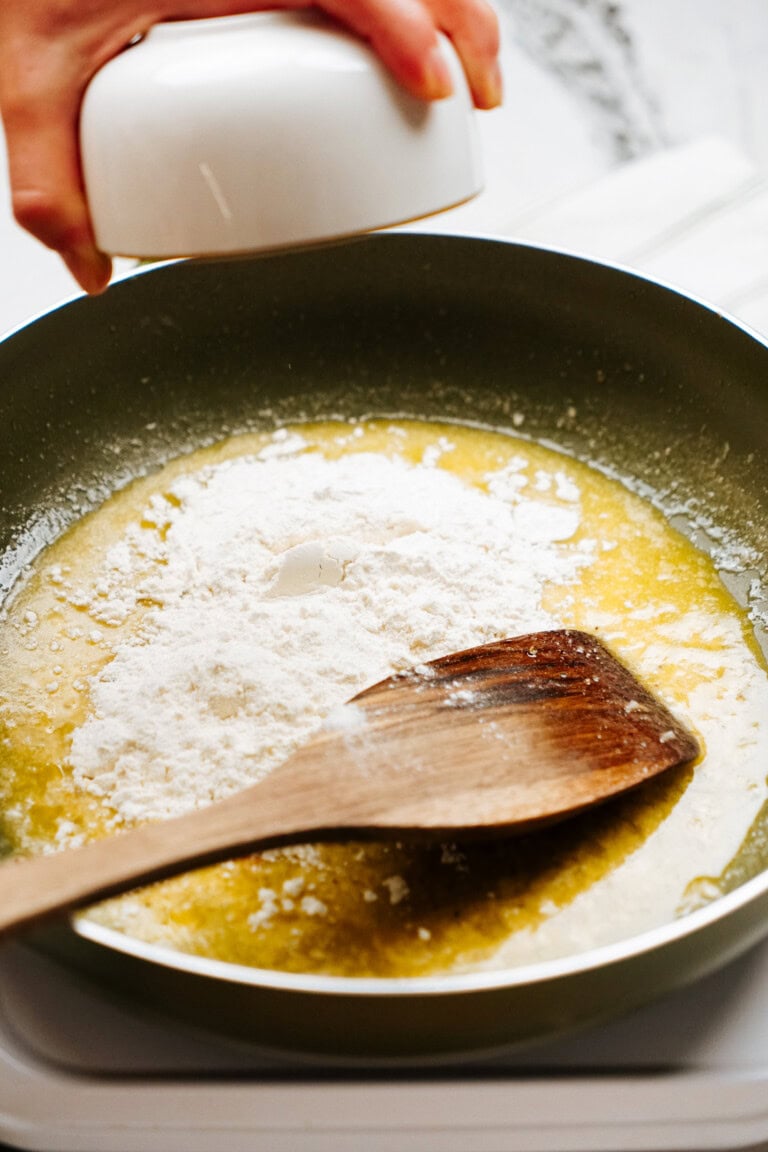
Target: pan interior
[[626, 375]]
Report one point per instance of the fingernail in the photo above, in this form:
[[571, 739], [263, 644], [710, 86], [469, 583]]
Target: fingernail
[[437, 76], [491, 87], [496, 85], [91, 268]]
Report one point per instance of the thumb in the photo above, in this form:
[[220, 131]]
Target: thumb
[[46, 185]]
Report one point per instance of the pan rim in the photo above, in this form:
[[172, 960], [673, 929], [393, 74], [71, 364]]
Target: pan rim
[[481, 980], [400, 234]]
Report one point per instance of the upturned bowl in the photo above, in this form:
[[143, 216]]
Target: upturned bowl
[[249, 133]]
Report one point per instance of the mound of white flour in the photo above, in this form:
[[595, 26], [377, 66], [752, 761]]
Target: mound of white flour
[[283, 583]]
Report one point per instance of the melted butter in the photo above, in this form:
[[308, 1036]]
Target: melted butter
[[398, 909]]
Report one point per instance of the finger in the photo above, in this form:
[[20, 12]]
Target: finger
[[404, 36], [46, 185], [473, 27], [403, 33]]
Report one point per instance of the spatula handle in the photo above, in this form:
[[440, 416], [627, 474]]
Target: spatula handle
[[34, 889]]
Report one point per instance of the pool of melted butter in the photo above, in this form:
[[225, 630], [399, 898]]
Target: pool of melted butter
[[397, 909]]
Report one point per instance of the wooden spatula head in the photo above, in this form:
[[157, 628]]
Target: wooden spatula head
[[514, 734]]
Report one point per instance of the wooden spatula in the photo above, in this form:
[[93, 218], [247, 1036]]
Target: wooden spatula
[[490, 741]]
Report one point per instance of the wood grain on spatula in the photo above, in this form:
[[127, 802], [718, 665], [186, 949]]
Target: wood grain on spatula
[[489, 741], [522, 732]]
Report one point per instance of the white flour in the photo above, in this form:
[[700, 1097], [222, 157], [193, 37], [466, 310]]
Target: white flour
[[284, 583]]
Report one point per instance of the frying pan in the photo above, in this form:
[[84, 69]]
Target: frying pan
[[611, 367]]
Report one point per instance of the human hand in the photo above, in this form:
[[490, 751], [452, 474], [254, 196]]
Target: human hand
[[50, 50]]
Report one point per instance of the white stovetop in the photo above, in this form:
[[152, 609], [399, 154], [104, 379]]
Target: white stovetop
[[633, 132], [82, 1073]]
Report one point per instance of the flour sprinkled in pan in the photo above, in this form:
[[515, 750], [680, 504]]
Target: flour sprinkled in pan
[[282, 584]]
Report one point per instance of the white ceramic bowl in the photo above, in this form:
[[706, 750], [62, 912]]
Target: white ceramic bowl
[[247, 133]]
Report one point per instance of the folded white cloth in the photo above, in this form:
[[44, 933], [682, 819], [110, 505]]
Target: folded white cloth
[[694, 216]]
